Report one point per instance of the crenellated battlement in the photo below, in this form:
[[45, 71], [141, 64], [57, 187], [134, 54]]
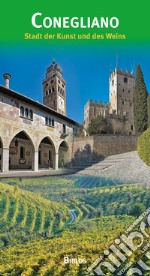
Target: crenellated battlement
[[97, 103], [122, 72]]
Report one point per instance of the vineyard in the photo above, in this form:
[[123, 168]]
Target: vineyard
[[43, 220]]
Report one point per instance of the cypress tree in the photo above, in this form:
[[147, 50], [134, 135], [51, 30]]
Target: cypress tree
[[148, 106], [140, 102]]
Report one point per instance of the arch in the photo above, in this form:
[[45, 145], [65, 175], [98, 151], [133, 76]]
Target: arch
[[46, 153], [21, 152], [1, 153], [63, 154]]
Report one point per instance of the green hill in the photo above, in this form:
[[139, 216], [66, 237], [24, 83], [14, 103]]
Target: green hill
[[24, 214]]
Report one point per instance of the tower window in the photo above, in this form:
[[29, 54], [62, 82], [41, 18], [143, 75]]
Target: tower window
[[53, 89], [123, 90], [123, 102], [50, 91], [112, 82], [46, 93], [52, 81], [131, 127], [125, 80], [128, 91]]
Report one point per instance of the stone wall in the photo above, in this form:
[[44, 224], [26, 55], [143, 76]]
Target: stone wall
[[100, 146]]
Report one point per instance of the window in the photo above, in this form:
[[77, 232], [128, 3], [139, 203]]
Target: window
[[26, 112], [50, 91], [125, 80], [22, 152], [130, 104], [21, 111], [64, 128], [123, 102], [52, 122], [46, 93], [49, 121], [123, 90], [52, 81], [128, 91], [53, 89], [112, 82], [46, 120], [131, 127], [31, 114]]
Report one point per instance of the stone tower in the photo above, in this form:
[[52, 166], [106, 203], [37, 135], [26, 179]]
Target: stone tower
[[54, 89], [121, 87]]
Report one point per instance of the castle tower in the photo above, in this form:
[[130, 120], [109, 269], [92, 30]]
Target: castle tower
[[121, 87], [54, 89]]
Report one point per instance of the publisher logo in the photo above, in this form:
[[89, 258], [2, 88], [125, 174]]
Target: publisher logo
[[119, 259]]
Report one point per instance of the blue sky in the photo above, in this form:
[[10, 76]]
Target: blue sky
[[86, 71]]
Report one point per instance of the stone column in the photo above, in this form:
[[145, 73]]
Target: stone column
[[5, 160], [36, 161], [56, 161]]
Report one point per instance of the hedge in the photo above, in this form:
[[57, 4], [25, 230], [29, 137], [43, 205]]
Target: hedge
[[144, 146]]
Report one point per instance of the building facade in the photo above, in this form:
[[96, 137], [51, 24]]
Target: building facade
[[35, 136], [119, 111]]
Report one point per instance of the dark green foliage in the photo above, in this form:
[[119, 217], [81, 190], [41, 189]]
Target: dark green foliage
[[137, 209], [148, 106], [144, 146], [97, 125], [140, 102]]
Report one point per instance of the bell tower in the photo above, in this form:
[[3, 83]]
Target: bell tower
[[54, 88]]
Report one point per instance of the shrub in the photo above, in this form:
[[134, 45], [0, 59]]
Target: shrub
[[144, 146], [137, 209]]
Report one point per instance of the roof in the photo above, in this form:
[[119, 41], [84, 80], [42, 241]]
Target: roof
[[16, 95]]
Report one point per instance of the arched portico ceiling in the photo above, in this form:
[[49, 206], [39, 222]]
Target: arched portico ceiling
[[64, 145], [47, 140], [22, 135]]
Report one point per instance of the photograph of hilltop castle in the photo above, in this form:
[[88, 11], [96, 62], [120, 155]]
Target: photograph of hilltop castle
[[35, 136]]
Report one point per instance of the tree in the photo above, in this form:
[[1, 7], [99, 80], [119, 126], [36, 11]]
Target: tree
[[148, 106], [137, 209], [140, 102], [81, 132], [97, 125]]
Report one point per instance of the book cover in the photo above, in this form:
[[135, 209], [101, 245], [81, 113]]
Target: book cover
[[74, 138]]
